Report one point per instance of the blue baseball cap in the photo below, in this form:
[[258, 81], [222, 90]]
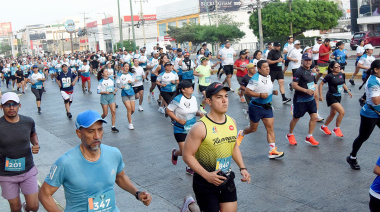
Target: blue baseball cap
[[307, 56], [174, 48], [88, 118], [34, 66]]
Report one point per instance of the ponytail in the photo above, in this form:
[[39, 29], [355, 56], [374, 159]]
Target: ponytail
[[370, 71], [100, 74]]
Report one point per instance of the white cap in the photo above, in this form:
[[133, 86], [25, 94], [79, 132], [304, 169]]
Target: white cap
[[368, 46], [297, 42], [156, 52], [10, 96]]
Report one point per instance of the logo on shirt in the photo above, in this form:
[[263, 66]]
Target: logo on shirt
[[53, 169], [264, 81], [113, 172], [214, 130], [231, 127], [187, 104]]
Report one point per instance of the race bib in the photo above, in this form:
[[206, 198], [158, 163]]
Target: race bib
[[14, 165], [229, 55], [66, 82], [279, 64], [127, 87], [340, 88], [223, 164], [207, 79], [311, 86], [187, 128], [173, 87], [38, 86], [139, 78], [110, 89], [102, 202]]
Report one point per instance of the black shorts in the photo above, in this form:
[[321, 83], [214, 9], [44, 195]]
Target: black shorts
[[13, 77], [228, 69], [19, 80], [153, 78], [180, 78], [180, 137], [95, 65], [294, 70], [287, 63], [300, 108], [276, 75], [331, 99], [202, 88], [26, 76], [167, 96], [315, 62], [210, 196], [139, 88]]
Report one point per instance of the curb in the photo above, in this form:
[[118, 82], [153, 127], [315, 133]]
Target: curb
[[289, 73]]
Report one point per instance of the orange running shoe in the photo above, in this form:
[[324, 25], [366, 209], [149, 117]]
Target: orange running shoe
[[312, 141], [275, 154], [242, 100], [291, 139], [338, 132], [240, 137], [325, 130]]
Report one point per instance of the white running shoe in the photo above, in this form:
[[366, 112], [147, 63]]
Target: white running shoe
[[140, 108], [161, 110], [130, 126], [319, 118]]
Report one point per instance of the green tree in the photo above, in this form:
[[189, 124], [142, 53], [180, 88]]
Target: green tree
[[127, 44], [305, 15], [5, 48]]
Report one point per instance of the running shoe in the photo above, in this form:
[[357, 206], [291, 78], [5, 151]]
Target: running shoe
[[23, 92], [290, 87], [18, 89], [26, 88], [174, 157], [291, 139], [361, 102], [90, 92], [286, 100], [232, 90], [275, 154], [352, 81], [161, 110], [130, 126], [114, 129], [353, 163], [69, 115], [203, 110], [319, 119], [84, 91], [240, 137], [158, 102], [242, 100], [149, 98], [39, 110], [117, 106], [13, 88], [312, 141], [189, 171], [186, 202], [338, 132], [325, 130], [140, 108], [153, 95]]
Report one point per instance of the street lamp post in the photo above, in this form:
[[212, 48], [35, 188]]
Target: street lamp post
[[260, 25], [120, 26], [291, 23], [133, 27]]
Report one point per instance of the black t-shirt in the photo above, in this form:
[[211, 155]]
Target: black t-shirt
[[245, 80], [305, 79], [335, 83], [20, 74], [94, 59], [275, 55], [112, 63], [15, 143]]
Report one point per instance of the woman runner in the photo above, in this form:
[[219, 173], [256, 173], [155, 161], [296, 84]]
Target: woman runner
[[37, 79], [125, 83]]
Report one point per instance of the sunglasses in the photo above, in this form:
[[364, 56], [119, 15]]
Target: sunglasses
[[8, 105], [319, 40], [336, 66]]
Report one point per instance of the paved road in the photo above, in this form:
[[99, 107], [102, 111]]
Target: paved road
[[305, 179]]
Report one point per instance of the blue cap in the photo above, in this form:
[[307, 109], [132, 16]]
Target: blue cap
[[307, 56], [174, 48], [88, 118], [34, 66]]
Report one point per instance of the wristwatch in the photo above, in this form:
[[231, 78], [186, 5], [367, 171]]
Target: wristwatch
[[137, 194]]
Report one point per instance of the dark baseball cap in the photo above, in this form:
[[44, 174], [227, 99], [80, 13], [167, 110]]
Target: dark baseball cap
[[179, 50], [214, 88], [168, 64], [277, 44], [307, 56], [327, 40]]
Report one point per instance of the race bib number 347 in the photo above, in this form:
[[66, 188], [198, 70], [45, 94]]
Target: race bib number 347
[[102, 203]]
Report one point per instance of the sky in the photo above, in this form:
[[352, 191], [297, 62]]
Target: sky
[[26, 12]]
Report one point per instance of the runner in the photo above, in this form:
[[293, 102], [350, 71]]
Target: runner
[[182, 110], [336, 82], [374, 191], [125, 82], [359, 53], [369, 114], [257, 56], [20, 79], [188, 67], [364, 63], [295, 57], [304, 84], [106, 89], [153, 78], [267, 50], [177, 63], [315, 50], [203, 72], [324, 58], [143, 61], [260, 89], [287, 48], [227, 55], [7, 76], [89, 185], [241, 70], [168, 81], [13, 69], [275, 61], [138, 85], [17, 169], [37, 79], [209, 149], [85, 72], [340, 55], [66, 81]]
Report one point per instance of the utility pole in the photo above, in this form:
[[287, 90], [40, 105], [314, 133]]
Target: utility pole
[[260, 25], [291, 23], [120, 26], [216, 13], [133, 27], [208, 14], [142, 19], [84, 25]]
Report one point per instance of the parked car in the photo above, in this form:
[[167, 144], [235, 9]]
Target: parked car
[[334, 41], [369, 37]]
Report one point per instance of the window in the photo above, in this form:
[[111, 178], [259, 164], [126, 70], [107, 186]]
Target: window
[[162, 29], [172, 24], [182, 23], [359, 35], [193, 21]]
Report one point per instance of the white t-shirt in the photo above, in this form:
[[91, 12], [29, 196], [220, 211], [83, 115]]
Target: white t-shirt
[[366, 60], [139, 75], [176, 62], [295, 54], [127, 58], [153, 62], [228, 54], [124, 80], [360, 50], [316, 48], [183, 107]]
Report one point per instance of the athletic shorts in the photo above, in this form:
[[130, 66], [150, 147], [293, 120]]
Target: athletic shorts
[[356, 63], [106, 99], [323, 67], [19, 80], [210, 196], [138, 88], [300, 108], [26, 76], [38, 93], [67, 95], [128, 98], [167, 96], [228, 69], [294, 71], [180, 137], [202, 88], [316, 62], [95, 65], [13, 77], [331, 99], [239, 79], [276, 75], [84, 79], [256, 113], [153, 78], [11, 185], [287, 63]]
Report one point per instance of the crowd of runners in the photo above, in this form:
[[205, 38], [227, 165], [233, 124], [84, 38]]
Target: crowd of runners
[[89, 171]]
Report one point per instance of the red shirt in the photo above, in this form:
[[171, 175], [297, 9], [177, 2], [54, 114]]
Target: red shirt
[[243, 64], [324, 49]]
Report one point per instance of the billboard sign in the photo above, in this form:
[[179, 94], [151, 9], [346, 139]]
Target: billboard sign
[[70, 26], [5, 28], [137, 18], [222, 5]]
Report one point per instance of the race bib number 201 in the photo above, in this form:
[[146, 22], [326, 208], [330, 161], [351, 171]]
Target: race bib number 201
[[14, 164]]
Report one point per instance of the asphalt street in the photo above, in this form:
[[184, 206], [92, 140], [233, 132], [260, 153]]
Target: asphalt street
[[306, 179]]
